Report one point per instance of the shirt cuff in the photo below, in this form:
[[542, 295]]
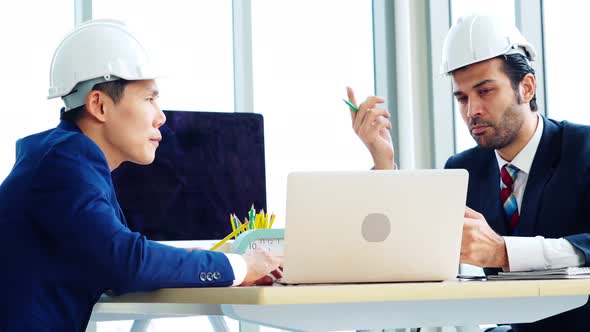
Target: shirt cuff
[[539, 253], [239, 266], [562, 253], [525, 253]]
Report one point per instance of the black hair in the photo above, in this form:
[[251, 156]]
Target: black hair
[[113, 89], [516, 67]]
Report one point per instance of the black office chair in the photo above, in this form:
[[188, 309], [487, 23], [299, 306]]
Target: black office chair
[[208, 165]]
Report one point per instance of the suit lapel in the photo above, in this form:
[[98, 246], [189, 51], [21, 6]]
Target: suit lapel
[[541, 172]]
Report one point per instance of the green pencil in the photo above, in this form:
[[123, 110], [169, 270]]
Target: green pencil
[[352, 107]]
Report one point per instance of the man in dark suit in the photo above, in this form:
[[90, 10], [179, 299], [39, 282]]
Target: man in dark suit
[[63, 238], [529, 177]]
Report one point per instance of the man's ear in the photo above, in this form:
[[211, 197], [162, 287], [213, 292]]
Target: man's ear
[[96, 101], [527, 88]]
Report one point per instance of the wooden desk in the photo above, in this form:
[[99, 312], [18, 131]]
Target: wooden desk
[[360, 306]]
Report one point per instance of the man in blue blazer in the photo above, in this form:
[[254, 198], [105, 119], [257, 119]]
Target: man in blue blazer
[[63, 238], [529, 177]]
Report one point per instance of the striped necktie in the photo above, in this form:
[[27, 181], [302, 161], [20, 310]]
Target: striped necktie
[[508, 175]]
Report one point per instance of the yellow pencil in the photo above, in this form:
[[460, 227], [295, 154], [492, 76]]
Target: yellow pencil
[[262, 219], [232, 222], [229, 236], [272, 220]]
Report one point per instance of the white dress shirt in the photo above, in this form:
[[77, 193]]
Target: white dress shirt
[[239, 266], [535, 253]]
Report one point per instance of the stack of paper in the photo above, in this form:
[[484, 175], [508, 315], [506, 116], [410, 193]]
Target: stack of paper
[[565, 273]]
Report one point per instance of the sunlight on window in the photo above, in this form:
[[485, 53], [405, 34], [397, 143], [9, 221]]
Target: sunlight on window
[[25, 59], [565, 71], [305, 53], [191, 41]]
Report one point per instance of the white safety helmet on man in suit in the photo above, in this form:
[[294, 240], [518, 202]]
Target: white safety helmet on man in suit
[[475, 38], [97, 51]]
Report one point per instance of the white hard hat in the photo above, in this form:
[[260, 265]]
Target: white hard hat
[[95, 52], [476, 38]]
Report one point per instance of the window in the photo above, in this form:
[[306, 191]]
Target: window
[[304, 55], [191, 41], [566, 70], [504, 8], [25, 59]]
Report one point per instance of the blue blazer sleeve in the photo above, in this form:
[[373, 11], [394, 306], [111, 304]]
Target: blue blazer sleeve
[[73, 201]]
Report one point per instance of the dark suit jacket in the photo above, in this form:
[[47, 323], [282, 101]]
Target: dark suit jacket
[[556, 201], [64, 240]]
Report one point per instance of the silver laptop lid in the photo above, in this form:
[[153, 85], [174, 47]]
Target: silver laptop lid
[[374, 226]]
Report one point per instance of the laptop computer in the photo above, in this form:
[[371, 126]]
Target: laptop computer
[[373, 226]]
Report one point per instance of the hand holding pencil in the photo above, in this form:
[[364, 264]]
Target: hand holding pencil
[[372, 125]]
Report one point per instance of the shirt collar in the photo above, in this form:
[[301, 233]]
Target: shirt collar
[[524, 159]]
